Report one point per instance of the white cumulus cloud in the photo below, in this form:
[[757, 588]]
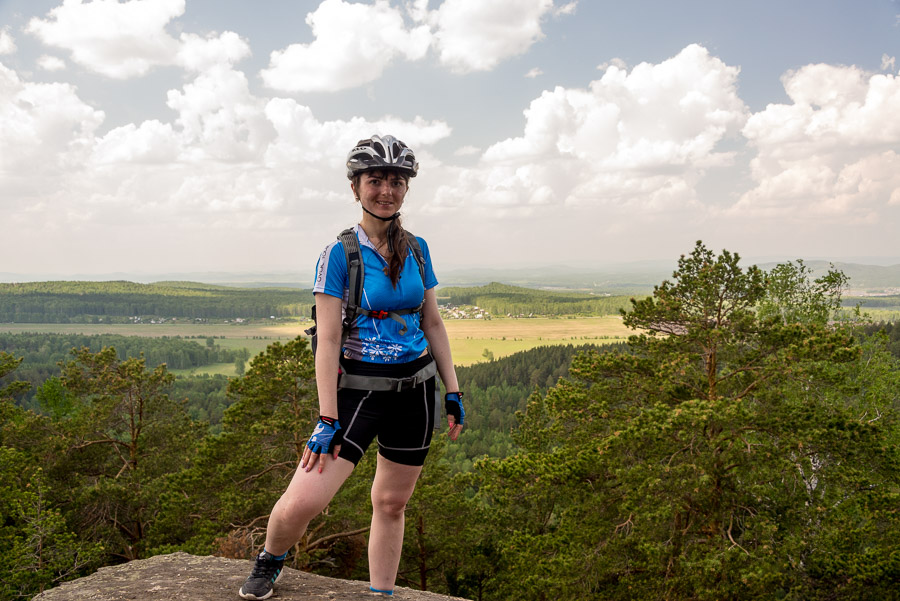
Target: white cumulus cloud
[[7, 43], [567, 9], [51, 63], [119, 40], [640, 138], [51, 131], [219, 118], [150, 142], [198, 53], [473, 35], [353, 45], [832, 151], [228, 159]]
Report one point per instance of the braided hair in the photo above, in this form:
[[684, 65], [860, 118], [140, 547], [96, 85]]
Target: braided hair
[[398, 246]]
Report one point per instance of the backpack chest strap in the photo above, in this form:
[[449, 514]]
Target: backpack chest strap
[[395, 315]]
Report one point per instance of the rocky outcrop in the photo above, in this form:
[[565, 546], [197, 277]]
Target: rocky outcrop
[[182, 576]]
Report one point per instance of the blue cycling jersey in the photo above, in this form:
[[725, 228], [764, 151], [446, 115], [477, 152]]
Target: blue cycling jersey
[[370, 339]]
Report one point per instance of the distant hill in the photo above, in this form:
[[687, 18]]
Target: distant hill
[[503, 299], [129, 302], [637, 277], [633, 279], [119, 301], [875, 278]]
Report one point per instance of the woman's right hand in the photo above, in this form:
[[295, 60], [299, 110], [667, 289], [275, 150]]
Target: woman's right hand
[[328, 328], [325, 440]]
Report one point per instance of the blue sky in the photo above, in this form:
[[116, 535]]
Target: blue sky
[[152, 136]]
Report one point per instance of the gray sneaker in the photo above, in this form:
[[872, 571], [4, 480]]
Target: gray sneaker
[[261, 582]]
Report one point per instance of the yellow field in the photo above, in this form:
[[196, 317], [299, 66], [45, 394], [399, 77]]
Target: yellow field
[[469, 338]]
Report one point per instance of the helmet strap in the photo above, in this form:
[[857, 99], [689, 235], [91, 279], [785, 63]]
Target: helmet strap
[[392, 219]]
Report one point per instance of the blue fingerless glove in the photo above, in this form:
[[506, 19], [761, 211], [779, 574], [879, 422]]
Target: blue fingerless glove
[[453, 405], [325, 436]]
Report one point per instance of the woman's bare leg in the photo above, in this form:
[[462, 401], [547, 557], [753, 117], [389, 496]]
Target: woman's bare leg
[[393, 486], [306, 496]]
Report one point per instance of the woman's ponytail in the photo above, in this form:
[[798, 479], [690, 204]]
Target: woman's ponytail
[[398, 247]]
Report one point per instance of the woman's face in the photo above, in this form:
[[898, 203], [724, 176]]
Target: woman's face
[[381, 192]]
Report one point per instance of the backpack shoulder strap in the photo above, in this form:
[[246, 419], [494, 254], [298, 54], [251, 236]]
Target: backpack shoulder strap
[[355, 276], [417, 253]]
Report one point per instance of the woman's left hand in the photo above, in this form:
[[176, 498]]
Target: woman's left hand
[[456, 415]]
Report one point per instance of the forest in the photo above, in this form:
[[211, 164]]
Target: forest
[[120, 302], [42, 354], [123, 302], [742, 444], [502, 299]]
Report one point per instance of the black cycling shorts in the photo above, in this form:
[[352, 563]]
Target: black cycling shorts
[[403, 421]]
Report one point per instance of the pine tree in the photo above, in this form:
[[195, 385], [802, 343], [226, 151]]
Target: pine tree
[[733, 451]]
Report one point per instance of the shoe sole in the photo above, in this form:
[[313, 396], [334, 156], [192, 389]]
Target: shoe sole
[[254, 597]]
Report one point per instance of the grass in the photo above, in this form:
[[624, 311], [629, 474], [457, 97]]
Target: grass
[[469, 338], [213, 369]]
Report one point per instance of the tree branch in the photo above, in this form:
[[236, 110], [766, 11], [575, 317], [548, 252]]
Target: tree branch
[[325, 539]]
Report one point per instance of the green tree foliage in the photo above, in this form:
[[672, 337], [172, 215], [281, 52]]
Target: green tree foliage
[[42, 353], [40, 550], [84, 302], [875, 302], [740, 445], [221, 503], [223, 499], [793, 296], [442, 548], [890, 331], [110, 433], [206, 397], [121, 436], [733, 451], [10, 389], [495, 391]]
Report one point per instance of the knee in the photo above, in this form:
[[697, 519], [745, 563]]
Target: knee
[[295, 509], [389, 503]]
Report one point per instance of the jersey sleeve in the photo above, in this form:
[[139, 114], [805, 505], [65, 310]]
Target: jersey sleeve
[[430, 278], [331, 271]]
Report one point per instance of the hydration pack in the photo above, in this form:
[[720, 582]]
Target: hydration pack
[[356, 278]]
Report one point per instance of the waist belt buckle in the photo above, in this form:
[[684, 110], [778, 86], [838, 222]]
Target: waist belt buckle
[[404, 383]]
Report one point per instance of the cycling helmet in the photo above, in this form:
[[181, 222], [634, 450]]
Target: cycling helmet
[[380, 152]]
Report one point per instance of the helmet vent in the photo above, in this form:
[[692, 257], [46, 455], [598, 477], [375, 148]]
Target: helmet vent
[[379, 152]]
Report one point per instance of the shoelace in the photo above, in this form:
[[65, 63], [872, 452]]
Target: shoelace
[[264, 568]]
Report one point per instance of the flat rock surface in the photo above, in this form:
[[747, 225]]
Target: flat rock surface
[[182, 576]]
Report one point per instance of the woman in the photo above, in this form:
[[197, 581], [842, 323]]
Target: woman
[[395, 341]]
